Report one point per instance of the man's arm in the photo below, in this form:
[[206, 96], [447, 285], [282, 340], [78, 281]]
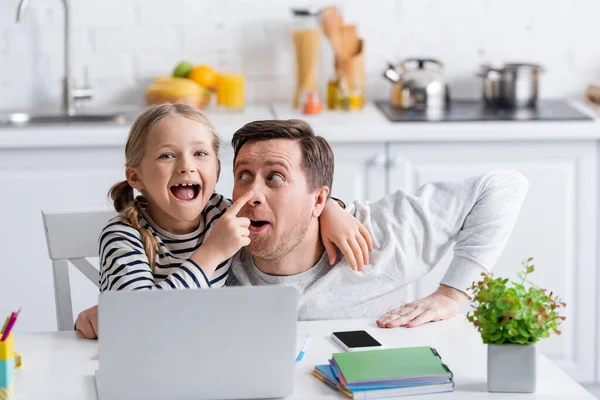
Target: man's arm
[[476, 214]]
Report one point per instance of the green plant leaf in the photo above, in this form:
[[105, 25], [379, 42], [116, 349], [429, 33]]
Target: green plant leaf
[[504, 312], [523, 332]]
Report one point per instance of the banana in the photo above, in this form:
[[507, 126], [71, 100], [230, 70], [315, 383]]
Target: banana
[[176, 90]]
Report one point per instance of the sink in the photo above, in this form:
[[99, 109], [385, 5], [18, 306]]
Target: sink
[[25, 119]]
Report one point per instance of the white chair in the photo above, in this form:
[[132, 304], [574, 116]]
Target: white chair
[[71, 237]]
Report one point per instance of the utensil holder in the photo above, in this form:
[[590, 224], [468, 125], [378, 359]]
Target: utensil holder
[[353, 68]]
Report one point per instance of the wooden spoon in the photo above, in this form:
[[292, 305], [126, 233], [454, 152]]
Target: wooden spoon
[[350, 42], [331, 20]]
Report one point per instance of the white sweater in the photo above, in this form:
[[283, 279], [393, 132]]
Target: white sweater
[[411, 233]]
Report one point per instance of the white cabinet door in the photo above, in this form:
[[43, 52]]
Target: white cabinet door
[[359, 172], [52, 180], [556, 226]]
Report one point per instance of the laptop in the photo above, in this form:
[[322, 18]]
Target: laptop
[[228, 343]]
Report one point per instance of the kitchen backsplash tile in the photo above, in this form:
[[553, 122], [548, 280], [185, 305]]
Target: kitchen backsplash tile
[[125, 43]]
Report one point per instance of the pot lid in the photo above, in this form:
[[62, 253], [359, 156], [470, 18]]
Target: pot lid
[[418, 71]]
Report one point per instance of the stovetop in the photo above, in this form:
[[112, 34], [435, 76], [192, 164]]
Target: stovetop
[[473, 110]]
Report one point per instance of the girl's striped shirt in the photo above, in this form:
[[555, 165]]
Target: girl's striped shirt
[[124, 264]]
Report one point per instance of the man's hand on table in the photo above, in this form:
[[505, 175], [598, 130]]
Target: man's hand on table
[[87, 322], [444, 303]]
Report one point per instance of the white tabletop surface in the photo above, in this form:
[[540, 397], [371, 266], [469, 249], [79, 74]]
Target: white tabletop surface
[[61, 365]]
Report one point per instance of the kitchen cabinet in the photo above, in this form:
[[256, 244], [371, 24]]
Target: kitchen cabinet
[[556, 226], [57, 179]]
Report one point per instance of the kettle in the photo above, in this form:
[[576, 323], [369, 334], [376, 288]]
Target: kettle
[[418, 85]]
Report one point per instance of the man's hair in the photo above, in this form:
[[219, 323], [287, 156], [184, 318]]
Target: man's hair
[[317, 156]]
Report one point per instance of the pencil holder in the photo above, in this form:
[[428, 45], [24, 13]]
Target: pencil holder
[[7, 368]]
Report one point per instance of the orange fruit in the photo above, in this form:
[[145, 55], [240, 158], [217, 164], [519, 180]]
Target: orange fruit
[[204, 75]]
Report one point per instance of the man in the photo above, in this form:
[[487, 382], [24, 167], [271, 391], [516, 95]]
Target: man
[[290, 171]]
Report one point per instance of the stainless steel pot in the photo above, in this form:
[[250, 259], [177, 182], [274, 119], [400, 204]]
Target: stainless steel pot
[[418, 85], [513, 86]]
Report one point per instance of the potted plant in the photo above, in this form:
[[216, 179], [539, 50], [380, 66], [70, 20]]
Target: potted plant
[[511, 319]]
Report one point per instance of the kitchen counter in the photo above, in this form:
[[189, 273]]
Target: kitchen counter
[[110, 134], [367, 125], [370, 125]]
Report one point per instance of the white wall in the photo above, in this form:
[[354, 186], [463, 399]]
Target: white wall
[[127, 42]]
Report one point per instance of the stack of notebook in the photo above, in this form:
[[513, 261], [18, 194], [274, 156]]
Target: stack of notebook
[[387, 373]]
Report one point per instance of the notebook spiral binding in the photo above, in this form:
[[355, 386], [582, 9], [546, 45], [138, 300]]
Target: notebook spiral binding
[[435, 353]]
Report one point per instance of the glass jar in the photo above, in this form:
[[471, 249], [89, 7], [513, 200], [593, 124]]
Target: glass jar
[[332, 88], [356, 99], [343, 94], [306, 35]]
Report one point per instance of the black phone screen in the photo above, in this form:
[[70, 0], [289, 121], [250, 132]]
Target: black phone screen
[[354, 339]]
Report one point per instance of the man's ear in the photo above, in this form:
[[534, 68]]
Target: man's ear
[[134, 178], [320, 200]]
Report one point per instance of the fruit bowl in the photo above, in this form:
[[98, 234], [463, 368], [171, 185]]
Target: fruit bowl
[[177, 90]]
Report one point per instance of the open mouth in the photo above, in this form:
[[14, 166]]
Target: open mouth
[[258, 225], [185, 191]]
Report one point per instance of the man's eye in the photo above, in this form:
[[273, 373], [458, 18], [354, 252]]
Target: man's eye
[[275, 177], [244, 176], [200, 153], [166, 156]]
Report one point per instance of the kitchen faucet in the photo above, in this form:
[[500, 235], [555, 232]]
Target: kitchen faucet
[[70, 94]]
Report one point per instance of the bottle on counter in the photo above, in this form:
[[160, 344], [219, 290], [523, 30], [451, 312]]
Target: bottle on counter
[[356, 99], [332, 88], [306, 36], [343, 94], [312, 103]]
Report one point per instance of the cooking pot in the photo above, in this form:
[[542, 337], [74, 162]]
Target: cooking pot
[[418, 83], [513, 86]]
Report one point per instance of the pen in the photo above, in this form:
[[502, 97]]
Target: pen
[[9, 326]]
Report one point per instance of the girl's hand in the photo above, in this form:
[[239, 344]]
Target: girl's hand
[[230, 232], [341, 229]]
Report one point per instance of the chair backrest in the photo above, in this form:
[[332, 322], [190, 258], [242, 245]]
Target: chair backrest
[[71, 237]]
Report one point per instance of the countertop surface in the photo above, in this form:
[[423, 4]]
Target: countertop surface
[[367, 125]]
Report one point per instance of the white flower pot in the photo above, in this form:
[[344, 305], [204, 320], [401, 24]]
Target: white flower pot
[[512, 368]]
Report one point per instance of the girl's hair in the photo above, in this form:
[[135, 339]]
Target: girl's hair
[[128, 206]]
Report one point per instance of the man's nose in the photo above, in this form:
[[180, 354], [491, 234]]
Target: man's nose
[[259, 197]]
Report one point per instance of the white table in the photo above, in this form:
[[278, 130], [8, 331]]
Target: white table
[[61, 365]]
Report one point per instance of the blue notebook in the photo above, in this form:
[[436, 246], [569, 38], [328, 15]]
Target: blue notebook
[[380, 390]]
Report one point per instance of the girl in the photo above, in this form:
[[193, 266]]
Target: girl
[[179, 234]]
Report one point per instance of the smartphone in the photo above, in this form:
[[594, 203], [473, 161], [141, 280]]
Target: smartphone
[[356, 341]]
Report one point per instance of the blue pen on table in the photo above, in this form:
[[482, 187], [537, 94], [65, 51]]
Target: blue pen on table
[[10, 325]]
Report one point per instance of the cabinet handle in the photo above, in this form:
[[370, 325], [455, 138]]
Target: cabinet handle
[[396, 161], [377, 161]]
